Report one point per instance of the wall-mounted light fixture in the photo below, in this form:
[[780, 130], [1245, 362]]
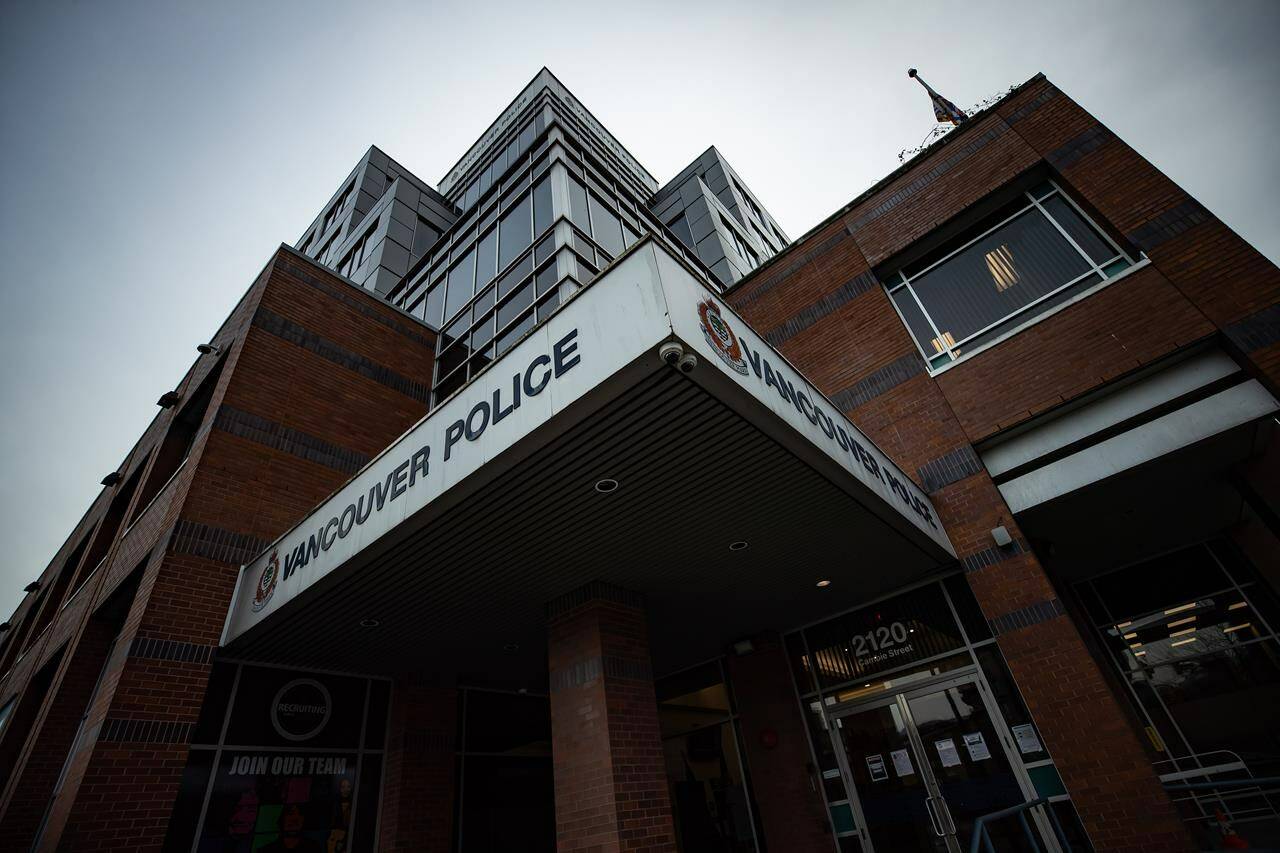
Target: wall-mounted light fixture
[[168, 399], [208, 349], [111, 479]]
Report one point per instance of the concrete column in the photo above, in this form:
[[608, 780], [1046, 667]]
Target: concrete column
[[610, 780], [418, 795], [782, 771]]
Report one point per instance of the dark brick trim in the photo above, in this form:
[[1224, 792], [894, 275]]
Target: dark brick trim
[[949, 468], [156, 649], [427, 743], [607, 666], [356, 304], [783, 274], [1049, 93], [878, 382], [287, 330], [1168, 225], [594, 591], [807, 316], [1027, 616], [998, 129], [291, 441], [1074, 150], [1258, 330], [213, 543], [990, 557], [117, 730]]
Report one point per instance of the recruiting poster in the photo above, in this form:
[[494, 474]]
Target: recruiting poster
[[269, 801], [977, 747], [1025, 735], [947, 752], [902, 763], [289, 754]]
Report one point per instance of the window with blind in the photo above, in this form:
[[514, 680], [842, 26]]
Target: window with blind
[[1029, 256]]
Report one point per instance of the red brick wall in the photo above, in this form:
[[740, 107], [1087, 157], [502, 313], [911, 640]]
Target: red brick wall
[[247, 479], [783, 777], [821, 305], [610, 778], [40, 773]]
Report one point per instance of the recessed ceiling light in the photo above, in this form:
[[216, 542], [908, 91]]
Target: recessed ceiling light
[[740, 545], [606, 485], [369, 623], [824, 582]]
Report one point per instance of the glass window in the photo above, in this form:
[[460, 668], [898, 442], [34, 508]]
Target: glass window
[[486, 258], [680, 227], [423, 236], [514, 276], [547, 279], [1016, 263], [578, 204], [513, 334], [461, 279], [435, 304], [1199, 654], [607, 227], [915, 626], [519, 301], [542, 214], [515, 231]]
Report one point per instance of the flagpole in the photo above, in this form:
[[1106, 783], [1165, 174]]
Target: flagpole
[[942, 106]]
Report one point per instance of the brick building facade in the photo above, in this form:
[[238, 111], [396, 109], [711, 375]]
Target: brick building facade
[[1056, 527]]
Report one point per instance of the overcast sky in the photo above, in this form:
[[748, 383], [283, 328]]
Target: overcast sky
[[154, 155]]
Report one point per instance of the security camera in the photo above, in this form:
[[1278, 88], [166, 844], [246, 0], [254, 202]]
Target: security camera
[[671, 353], [208, 349], [688, 363]]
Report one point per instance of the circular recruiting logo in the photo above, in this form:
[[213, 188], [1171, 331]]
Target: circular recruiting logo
[[267, 582], [301, 709], [720, 336]]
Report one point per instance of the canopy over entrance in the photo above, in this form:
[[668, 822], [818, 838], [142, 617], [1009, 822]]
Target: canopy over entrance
[[738, 488]]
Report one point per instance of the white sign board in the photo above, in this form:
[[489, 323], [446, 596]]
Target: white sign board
[[624, 315], [725, 342]]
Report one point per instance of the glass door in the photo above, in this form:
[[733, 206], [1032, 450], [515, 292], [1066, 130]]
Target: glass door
[[968, 763], [925, 764], [896, 797]]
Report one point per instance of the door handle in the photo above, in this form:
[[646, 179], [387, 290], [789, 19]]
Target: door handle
[[946, 813], [933, 817]]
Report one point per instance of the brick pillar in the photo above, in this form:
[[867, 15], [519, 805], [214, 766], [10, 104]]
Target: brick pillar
[[610, 780], [418, 795], [1094, 744], [782, 775]]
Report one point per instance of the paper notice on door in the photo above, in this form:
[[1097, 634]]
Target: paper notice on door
[[902, 763], [875, 765], [1025, 735], [977, 747], [947, 752]]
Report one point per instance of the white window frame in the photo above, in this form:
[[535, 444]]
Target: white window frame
[[957, 355]]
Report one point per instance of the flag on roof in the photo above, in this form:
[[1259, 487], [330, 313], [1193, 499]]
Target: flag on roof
[[943, 110]]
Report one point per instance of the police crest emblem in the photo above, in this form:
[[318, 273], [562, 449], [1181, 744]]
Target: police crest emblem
[[721, 338], [267, 582]]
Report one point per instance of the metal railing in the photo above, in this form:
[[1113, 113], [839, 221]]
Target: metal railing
[[981, 835], [1242, 799]]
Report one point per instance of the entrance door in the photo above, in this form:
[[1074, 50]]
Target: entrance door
[[925, 765]]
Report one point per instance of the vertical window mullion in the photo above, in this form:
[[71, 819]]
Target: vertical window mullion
[[932, 325], [1089, 221], [1093, 266]]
